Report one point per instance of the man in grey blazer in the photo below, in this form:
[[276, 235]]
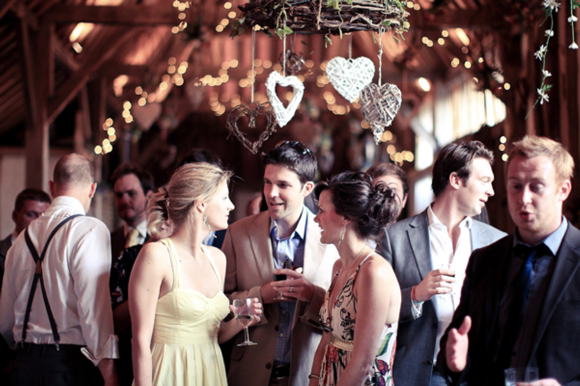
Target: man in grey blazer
[[256, 247], [429, 253]]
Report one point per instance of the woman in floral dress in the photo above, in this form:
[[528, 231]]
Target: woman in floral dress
[[361, 310]]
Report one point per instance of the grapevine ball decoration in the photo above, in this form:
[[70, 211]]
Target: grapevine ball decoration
[[292, 61], [326, 16], [252, 114]]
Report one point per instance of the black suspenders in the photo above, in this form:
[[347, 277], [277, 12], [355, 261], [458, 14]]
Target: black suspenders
[[38, 277]]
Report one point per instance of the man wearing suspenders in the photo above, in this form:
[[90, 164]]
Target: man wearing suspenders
[[55, 305]]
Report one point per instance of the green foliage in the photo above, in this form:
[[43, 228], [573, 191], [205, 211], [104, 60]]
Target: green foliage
[[575, 4], [283, 32]]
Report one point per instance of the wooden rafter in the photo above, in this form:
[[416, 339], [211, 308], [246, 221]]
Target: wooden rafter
[[126, 15], [5, 6]]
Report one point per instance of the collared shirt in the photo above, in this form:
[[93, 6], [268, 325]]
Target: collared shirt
[[141, 228], [442, 255], [288, 248], [76, 274], [542, 269]]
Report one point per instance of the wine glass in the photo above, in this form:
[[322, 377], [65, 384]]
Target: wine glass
[[288, 264], [244, 315]]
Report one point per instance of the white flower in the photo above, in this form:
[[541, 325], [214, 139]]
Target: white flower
[[549, 32], [551, 4], [546, 73], [543, 96], [573, 46], [572, 19], [539, 54]]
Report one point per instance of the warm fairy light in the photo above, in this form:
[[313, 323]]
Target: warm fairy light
[[504, 157], [391, 149], [465, 50], [109, 121], [125, 113], [127, 105], [507, 86], [111, 131], [441, 41], [231, 15], [175, 29], [129, 119], [228, 5], [417, 7], [430, 43], [219, 28], [138, 90], [503, 139], [234, 63], [455, 62], [142, 102], [172, 61], [267, 64], [289, 95], [98, 149], [106, 142], [501, 147], [410, 4], [462, 36], [181, 16], [424, 84], [171, 69], [445, 33], [467, 64], [480, 60]]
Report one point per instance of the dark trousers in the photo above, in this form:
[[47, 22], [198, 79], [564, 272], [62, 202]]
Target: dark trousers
[[43, 365]]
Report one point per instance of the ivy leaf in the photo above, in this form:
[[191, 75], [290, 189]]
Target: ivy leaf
[[575, 4], [327, 41], [340, 32], [386, 23]]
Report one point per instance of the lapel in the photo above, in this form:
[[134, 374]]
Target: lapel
[[261, 245], [418, 234], [567, 262]]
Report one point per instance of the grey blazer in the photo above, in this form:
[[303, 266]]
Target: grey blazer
[[406, 247]]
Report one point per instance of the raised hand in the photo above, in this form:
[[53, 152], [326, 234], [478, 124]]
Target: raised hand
[[295, 286], [436, 282], [457, 346]]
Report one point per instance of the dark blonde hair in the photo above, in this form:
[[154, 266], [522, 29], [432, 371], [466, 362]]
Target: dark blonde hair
[[532, 146], [189, 184]]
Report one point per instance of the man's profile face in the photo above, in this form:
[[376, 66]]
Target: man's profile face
[[535, 197], [476, 190], [283, 191], [31, 209], [130, 201]]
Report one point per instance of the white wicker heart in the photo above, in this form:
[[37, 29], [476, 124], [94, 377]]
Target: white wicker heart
[[379, 105], [350, 76], [284, 114]]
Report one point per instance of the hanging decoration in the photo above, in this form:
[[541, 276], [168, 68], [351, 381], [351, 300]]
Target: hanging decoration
[[350, 76], [284, 114], [252, 113], [380, 103], [292, 61], [325, 16]]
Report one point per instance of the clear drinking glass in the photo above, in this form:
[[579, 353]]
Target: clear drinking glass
[[526, 374], [244, 315], [288, 264]]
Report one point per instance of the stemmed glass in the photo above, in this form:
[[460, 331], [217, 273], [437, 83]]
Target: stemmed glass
[[287, 264], [244, 315]]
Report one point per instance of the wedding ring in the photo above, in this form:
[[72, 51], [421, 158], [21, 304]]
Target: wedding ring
[[291, 289]]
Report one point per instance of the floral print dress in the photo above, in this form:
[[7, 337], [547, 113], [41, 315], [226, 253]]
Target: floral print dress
[[339, 320]]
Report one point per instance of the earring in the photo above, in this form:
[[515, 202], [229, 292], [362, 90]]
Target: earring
[[207, 223], [341, 236]]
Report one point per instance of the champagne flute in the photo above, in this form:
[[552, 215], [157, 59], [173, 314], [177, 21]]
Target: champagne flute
[[244, 315], [288, 264]]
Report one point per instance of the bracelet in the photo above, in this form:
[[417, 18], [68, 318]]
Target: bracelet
[[314, 376]]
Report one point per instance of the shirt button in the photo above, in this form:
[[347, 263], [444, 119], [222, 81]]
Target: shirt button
[[268, 366], [281, 335]]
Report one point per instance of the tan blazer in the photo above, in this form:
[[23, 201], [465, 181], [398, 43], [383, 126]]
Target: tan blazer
[[248, 249]]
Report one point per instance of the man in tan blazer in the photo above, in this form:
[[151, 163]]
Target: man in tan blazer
[[256, 248]]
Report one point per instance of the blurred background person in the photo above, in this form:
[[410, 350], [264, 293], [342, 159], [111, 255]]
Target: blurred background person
[[394, 177]]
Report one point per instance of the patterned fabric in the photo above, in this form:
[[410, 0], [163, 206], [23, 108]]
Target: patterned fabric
[[120, 272], [339, 320]]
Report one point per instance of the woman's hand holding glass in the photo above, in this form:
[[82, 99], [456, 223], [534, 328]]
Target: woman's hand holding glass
[[247, 312]]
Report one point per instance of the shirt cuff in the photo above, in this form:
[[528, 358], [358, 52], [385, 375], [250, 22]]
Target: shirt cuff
[[417, 307], [109, 351]]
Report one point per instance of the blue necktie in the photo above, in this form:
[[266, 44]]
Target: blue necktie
[[520, 287]]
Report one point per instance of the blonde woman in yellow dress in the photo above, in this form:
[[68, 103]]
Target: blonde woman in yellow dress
[[175, 291], [360, 312]]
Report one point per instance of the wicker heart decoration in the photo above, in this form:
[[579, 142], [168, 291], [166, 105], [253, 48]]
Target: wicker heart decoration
[[379, 105], [245, 111], [284, 114], [350, 76]]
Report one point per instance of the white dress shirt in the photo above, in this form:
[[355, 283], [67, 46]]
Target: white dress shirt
[[76, 276], [442, 256]]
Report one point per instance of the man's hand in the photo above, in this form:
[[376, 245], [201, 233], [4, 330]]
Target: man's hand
[[268, 293], [295, 286], [457, 346], [436, 282], [541, 382]]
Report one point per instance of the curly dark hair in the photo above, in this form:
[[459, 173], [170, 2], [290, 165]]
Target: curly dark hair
[[370, 208]]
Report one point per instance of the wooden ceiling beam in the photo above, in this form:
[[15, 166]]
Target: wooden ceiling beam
[[25, 15], [5, 6], [132, 15], [64, 54], [91, 64], [114, 69], [460, 18]]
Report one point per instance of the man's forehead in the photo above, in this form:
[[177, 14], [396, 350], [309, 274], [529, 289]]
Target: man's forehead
[[127, 183], [27, 204], [280, 173]]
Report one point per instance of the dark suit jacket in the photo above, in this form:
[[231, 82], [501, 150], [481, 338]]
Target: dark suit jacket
[[406, 247], [117, 242], [556, 345]]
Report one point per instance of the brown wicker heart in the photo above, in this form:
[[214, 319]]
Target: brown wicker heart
[[379, 105], [252, 113]]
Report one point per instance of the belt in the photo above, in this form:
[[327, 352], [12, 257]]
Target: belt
[[280, 371]]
